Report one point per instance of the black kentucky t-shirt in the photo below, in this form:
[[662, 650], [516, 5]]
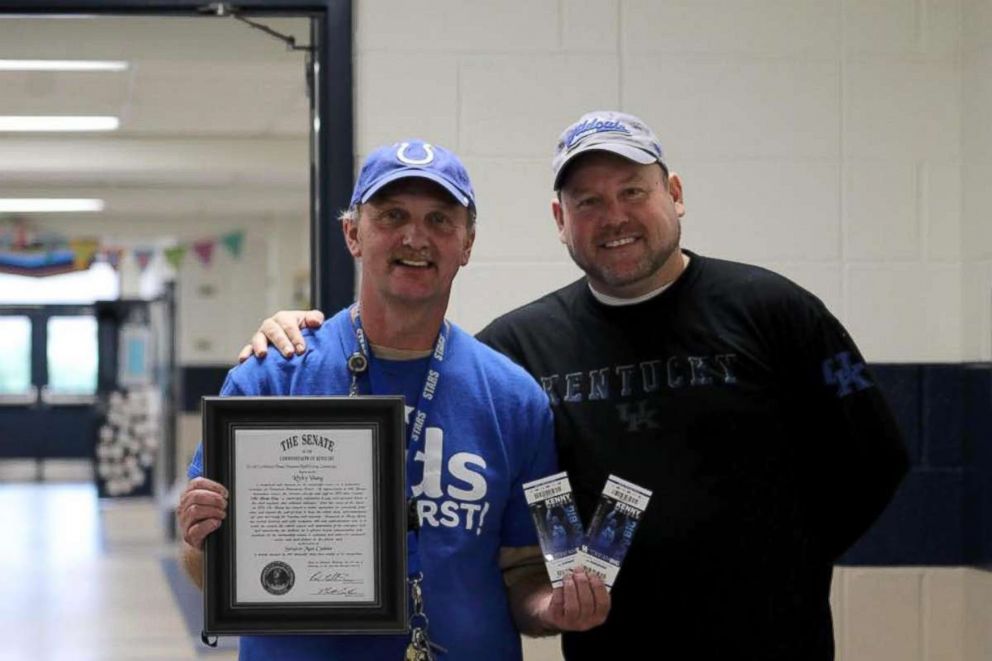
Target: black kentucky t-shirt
[[743, 404]]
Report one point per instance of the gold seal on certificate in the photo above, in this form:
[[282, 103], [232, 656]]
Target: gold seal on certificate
[[315, 535]]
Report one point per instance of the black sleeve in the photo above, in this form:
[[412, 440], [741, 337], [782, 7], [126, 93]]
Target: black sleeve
[[852, 456], [498, 336]]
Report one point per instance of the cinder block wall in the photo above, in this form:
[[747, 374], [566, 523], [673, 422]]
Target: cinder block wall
[[976, 234], [976, 206], [845, 143]]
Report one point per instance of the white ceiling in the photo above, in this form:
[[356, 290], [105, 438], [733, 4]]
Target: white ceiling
[[214, 116]]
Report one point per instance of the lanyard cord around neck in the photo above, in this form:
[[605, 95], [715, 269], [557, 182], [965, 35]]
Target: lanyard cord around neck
[[358, 365], [361, 382]]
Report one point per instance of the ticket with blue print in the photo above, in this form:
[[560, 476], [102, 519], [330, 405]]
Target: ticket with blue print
[[612, 528], [559, 528]]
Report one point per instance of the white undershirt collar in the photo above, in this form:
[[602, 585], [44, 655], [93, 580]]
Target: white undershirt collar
[[615, 301]]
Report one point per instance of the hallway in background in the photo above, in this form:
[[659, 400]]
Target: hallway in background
[[88, 579]]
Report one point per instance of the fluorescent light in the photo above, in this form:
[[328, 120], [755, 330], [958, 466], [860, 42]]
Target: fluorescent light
[[48, 205], [58, 123], [62, 65]]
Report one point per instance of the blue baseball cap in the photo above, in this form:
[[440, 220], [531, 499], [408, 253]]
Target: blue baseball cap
[[607, 130], [413, 158]]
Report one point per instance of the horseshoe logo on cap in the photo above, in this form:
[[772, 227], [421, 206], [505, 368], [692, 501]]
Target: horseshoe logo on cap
[[428, 149]]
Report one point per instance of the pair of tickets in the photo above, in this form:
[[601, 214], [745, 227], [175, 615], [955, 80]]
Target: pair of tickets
[[602, 548]]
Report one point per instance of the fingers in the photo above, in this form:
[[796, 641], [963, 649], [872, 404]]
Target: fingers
[[601, 598], [246, 351], [197, 533], [572, 606], [198, 483], [313, 318], [585, 601], [282, 330], [202, 508], [289, 322], [260, 344], [275, 334]]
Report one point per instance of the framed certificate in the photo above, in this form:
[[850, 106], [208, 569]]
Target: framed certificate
[[315, 535]]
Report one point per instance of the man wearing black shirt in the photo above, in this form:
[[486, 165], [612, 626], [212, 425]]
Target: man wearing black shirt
[[730, 392]]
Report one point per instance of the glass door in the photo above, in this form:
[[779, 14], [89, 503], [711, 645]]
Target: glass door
[[16, 384], [48, 381]]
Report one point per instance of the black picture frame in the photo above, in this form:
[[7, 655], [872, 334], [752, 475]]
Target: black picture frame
[[223, 417]]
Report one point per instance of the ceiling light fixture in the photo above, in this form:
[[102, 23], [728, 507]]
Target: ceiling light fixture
[[41, 123], [63, 65], [49, 205]]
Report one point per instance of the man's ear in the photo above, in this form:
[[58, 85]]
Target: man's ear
[[349, 227], [559, 216], [675, 190], [467, 247]]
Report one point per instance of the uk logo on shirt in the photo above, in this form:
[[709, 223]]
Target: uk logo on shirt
[[847, 376]]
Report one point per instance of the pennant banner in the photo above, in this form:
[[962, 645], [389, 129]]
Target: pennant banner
[[26, 251], [233, 242], [113, 256], [83, 251], [143, 257], [204, 251], [175, 255]]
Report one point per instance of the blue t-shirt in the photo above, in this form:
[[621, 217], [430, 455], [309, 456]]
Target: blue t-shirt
[[489, 430]]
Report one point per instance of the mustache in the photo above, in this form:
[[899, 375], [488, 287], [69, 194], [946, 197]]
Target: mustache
[[413, 255], [621, 230]]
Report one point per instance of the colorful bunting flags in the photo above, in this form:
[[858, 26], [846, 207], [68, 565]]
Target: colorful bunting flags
[[23, 250], [113, 256], [204, 251], [233, 242], [175, 255], [143, 256], [83, 251]]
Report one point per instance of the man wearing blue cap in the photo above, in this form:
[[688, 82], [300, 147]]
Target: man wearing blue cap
[[730, 392], [487, 425]]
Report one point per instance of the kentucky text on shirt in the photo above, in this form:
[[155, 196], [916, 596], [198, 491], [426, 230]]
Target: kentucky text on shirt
[[675, 372]]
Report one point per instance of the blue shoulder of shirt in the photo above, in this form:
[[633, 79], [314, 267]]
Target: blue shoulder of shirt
[[276, 374]]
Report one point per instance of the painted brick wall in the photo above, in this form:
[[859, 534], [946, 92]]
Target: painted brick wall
[[976, 57], [976, 232], [845, 143], [839, 119]]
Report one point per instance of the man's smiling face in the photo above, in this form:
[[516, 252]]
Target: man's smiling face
[[412, 238], [620, 222]]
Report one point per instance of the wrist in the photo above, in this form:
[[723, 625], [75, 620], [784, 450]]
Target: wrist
[[543, 618]]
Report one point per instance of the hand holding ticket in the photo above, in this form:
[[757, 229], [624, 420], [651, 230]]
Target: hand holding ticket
[[602, 548]]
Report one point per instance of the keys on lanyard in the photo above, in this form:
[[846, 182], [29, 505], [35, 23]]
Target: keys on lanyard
[[420, 648]]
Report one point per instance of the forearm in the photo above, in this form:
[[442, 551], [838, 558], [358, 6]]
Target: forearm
[[529, 596], [192, 560], [867, 491], [858, 478]]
